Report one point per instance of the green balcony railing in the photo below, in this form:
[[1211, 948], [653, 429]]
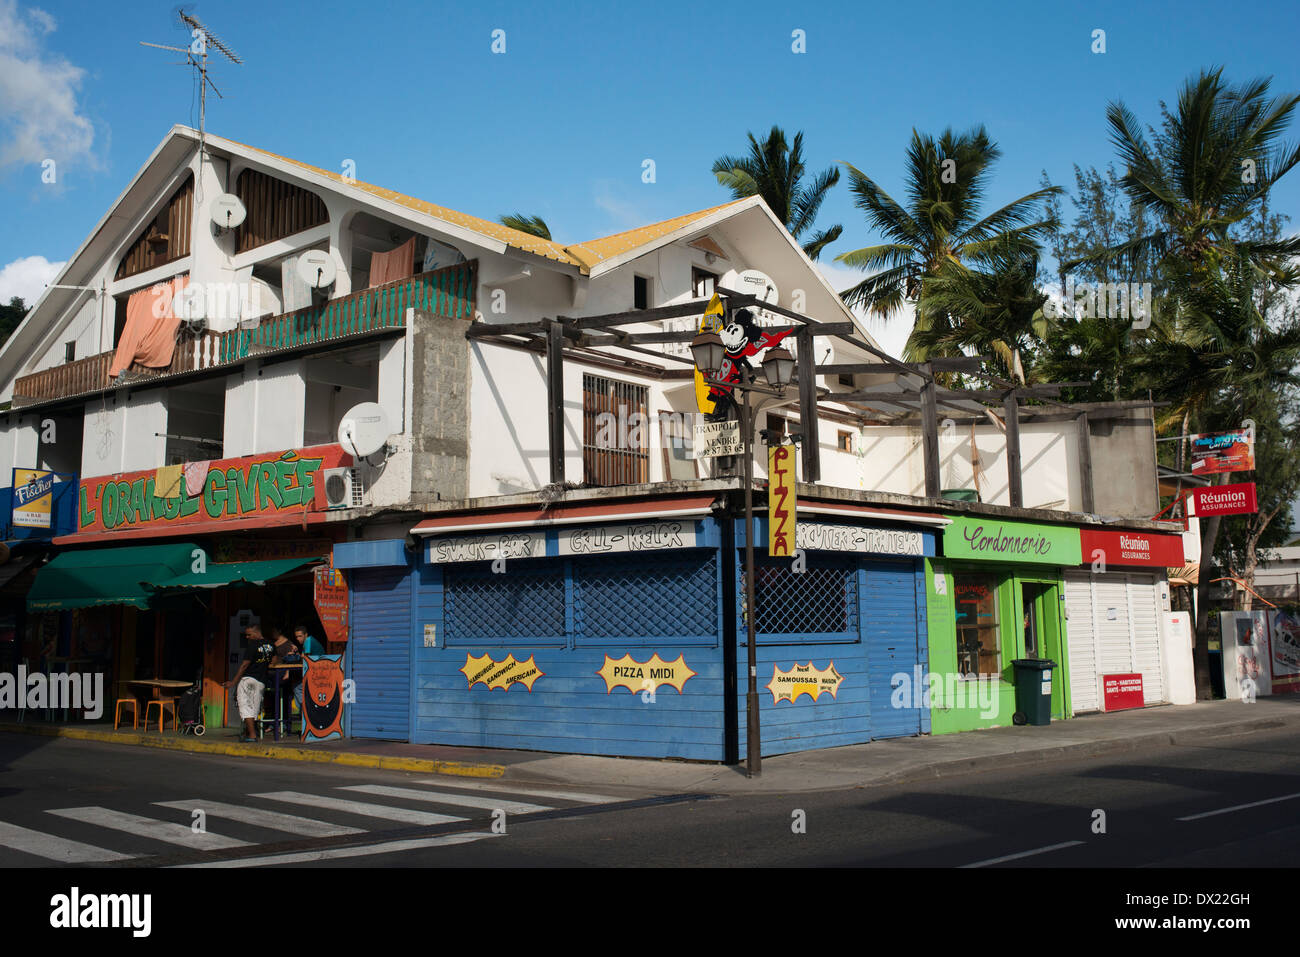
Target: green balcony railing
[[444, 292]]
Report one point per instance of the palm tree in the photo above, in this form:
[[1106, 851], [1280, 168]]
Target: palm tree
[[1202, 177], [941, 253], [776, 172], [996, 312], [1209, 168], [534, 225]]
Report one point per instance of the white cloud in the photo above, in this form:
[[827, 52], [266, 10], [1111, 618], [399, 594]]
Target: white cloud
[[624, 213], [891, 334], [26, 278], [39, 115]]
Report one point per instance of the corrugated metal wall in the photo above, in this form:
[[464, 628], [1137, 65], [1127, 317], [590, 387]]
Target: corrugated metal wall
[[893, 630], [568, 614], [380, 653], [884, 635]]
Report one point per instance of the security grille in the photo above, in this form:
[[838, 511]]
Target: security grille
[[817, 601], [639, 597], [523, 602], [615, 432]]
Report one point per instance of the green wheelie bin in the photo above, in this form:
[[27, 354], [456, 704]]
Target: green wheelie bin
[[1033, 690]]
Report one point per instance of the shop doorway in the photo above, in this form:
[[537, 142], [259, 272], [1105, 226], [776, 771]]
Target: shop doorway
[[1042, 634]]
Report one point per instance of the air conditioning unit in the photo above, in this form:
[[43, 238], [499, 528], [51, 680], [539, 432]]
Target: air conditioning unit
[[343, 488]]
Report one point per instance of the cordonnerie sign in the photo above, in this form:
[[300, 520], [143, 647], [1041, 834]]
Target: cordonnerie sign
[[257, 486], [988, 539]]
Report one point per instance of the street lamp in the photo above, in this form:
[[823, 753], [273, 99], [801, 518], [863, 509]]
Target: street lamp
[[778, 369]]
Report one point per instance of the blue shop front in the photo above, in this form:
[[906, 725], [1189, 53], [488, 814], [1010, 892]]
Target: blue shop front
[[615, 627]]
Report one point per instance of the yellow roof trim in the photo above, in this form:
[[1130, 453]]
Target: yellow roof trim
[[583, 255]]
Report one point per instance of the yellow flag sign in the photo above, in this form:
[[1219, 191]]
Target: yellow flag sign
[[804, 679], [637, 676], [780, 501], [501, 674]]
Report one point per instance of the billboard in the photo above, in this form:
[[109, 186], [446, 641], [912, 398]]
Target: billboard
[[1238, 499], [1214, 452]]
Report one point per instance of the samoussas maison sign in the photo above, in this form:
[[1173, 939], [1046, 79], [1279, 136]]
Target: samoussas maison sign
[[992, 540]]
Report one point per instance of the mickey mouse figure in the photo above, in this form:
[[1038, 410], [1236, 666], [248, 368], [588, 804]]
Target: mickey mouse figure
[[741, 338]]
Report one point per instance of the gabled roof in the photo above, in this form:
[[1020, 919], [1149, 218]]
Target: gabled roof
[[583, 255]]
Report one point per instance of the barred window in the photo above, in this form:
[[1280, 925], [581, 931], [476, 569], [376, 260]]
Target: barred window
[[615, 432], [643, 597], [525, 602], [820, 600]]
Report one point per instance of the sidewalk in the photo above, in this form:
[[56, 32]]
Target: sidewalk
[[892, 761]]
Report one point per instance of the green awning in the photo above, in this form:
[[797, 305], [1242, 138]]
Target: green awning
[[219, 574], [107, 576]]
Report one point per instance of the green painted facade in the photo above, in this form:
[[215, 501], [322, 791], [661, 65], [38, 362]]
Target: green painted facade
[[1027, 583]]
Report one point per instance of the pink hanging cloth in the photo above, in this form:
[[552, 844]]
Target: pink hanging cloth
[[394, 265], [149, 336]]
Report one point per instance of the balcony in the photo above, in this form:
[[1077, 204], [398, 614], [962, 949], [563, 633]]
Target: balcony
[[448, 292]]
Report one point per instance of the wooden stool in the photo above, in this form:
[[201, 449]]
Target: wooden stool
[[163, 704], [135, 712]]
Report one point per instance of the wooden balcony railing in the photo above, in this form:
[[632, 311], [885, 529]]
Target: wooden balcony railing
[[446, 292]]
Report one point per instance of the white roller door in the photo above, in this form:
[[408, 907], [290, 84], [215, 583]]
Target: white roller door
[[1144, 613], [1113, 627], [1081, 640]]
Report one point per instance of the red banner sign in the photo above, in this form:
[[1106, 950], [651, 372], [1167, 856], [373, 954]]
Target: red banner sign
[[1236, 499], [1121, 692], [1132, 548], [255, 487], [331, 600]]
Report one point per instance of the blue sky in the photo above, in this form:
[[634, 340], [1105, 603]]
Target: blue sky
[[559, 124]]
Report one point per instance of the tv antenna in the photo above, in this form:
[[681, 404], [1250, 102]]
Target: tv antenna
[[196, 55]]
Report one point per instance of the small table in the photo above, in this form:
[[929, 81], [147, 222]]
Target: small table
[[157, 685], [277, 672]]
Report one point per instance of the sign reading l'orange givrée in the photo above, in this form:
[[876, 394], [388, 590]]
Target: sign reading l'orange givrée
[[257, 486]]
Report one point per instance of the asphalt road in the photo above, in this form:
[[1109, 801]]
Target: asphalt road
[[1233, 802]]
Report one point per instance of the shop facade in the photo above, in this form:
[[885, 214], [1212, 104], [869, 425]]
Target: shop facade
[[1115, 606], [995, 596], [615, 628], [167, 567]]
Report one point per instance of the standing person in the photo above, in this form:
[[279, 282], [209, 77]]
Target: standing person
[[291, 678], [250, 680], [307, 645]]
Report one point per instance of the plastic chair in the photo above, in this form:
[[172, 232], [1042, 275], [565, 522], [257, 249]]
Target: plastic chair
[[135, 712], [163, 704]]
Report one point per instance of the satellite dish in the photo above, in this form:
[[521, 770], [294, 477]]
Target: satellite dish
[[755, 283], [316, 269], [364, 430], [227, 211]]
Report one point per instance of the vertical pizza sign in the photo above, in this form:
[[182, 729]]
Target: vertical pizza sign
[[780, 501], [331, 599]]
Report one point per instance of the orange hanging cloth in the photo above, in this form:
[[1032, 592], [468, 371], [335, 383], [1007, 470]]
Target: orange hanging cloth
[[394, 265], [149, 336]]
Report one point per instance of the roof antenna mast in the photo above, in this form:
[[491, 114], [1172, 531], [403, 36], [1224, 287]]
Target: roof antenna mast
[[196, 55]]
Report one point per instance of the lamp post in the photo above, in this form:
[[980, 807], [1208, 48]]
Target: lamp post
[[778, 369]]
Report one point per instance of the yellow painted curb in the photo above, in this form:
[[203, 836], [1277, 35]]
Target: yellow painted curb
[[200, 746]]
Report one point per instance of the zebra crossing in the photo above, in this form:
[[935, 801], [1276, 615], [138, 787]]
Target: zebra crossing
[[342, 821]]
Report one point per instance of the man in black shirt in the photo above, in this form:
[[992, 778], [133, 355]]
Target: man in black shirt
[[251, 679]]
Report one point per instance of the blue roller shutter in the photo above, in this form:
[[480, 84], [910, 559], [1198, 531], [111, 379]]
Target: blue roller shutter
[[381, 653], [890, 630]]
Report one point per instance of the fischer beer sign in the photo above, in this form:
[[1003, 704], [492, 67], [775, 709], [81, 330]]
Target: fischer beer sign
[[1236, 499]]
